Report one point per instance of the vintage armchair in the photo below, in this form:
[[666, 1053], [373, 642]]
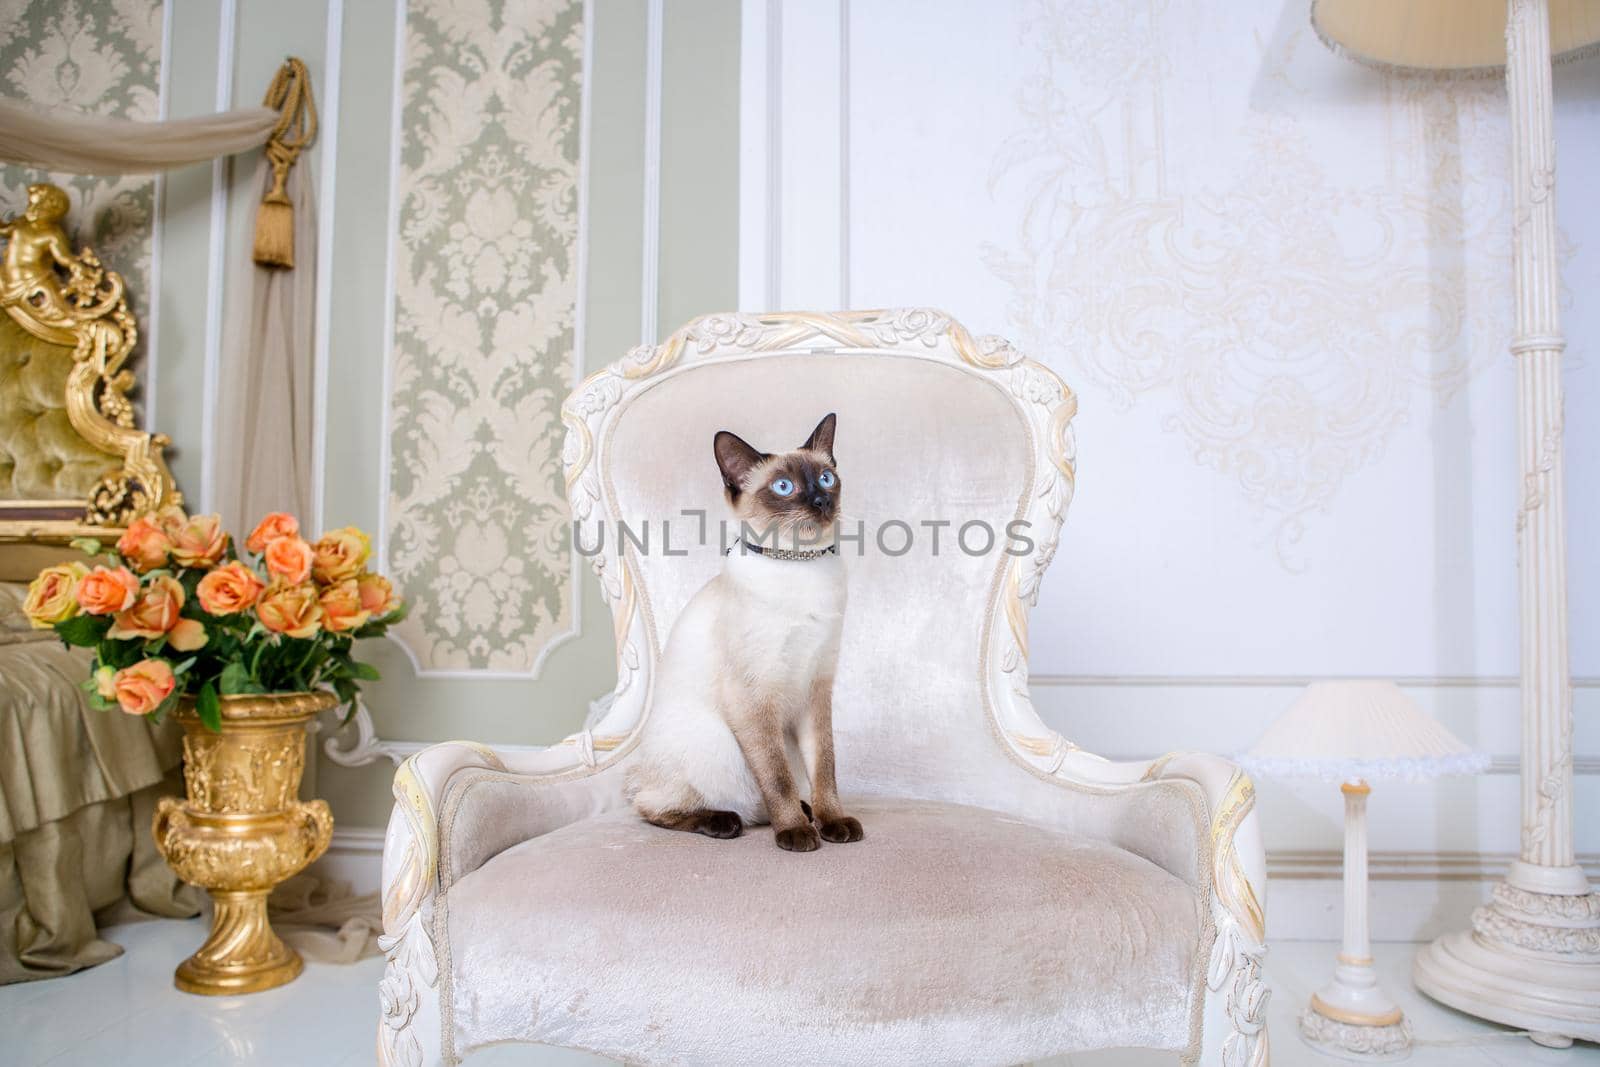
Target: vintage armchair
[[1015, 897]]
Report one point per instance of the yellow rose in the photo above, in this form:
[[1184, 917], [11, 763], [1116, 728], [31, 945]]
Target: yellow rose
[[199, 542], [105, 682], [341, 607], [291, 610], [340, 554], [53, 596]]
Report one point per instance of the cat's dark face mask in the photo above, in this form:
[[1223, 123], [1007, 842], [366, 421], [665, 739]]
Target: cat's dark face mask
[[794, 491]]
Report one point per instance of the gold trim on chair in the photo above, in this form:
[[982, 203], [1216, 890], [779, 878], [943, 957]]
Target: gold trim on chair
[[68, 298]]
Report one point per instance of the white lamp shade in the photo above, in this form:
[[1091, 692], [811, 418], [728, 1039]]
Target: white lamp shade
[[1431, 36], [1344, 730]]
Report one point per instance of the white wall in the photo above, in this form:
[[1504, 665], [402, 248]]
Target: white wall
[[1279, 283]]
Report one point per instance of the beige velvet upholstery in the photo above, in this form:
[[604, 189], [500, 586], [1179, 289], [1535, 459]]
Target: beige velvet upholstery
[[41, 456], [1014, 897], [641, 934]]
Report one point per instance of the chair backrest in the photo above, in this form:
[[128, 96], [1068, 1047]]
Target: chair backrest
[[956, 458]]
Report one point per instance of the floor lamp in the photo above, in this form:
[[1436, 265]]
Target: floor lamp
[[1532, 957]]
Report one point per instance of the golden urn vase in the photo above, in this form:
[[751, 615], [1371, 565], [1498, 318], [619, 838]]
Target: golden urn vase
[[241, 831]]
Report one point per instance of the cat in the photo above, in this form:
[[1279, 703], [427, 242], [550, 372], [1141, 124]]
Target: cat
[[743, 711]]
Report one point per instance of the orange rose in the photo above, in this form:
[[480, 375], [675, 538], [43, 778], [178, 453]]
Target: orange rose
[[105, 590], [278, 524], [144, 687], [341, 607], [229, 589], [289, 560], [154, 613], [291, 610], [53, 595], [199, 542], [144, 544], [340, 554], [170, 519], [377, 595]]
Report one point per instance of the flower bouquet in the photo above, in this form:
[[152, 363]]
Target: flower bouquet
[[174, 610]]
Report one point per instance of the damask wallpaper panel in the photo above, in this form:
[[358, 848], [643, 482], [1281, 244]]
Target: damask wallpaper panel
[[484, 316], [1280, 284], [103, 57]]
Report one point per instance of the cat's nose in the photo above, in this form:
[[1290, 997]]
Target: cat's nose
[[820, 500]]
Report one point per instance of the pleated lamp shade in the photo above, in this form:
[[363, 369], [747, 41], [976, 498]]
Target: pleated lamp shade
[[1344, 730], [1435, 36]]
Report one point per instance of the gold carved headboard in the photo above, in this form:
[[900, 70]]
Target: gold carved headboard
[[72, 461]]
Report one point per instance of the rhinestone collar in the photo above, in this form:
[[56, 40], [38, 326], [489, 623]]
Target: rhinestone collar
[[784, 553]]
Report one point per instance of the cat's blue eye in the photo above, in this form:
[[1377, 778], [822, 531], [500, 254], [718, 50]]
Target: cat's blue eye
[[783, 487], [827, 480]]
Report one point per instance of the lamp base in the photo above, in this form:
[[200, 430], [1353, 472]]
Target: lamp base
[[1356, 1041], [1531, 961], [1351, 1016]]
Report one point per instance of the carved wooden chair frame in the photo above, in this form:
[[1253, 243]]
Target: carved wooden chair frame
[[1230, 1023]]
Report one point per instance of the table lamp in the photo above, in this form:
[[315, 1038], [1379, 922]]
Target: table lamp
[[1350, 732]]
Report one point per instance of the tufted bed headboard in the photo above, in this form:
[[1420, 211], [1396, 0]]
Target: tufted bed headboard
[[73, 462]]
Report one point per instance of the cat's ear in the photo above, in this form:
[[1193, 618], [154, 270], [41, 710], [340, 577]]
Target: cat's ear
[[821, 439], [735, 458]]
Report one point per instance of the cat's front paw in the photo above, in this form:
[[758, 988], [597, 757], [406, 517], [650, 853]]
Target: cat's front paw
[[802, 838], [842, 830]]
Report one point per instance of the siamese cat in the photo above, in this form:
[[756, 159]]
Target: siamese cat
[[742, 724]]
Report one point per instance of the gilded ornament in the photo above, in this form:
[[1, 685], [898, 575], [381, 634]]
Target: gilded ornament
[[66, 297], [242, 831]]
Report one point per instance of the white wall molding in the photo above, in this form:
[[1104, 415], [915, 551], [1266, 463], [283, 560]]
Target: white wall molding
[[327, 191], [650, 271], [1391, 866], [760, 153], [158, 223], [1283, 681], [793, 186], [216, 266], [391, 254]]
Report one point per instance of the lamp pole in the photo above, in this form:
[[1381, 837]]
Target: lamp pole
[[1532, 958]]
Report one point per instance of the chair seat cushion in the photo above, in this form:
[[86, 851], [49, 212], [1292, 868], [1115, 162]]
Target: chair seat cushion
[[950, 935]]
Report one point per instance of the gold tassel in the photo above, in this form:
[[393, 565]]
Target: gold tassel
[[290, 94]]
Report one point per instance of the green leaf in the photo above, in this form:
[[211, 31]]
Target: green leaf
[[165, 706], [364, 671], [100, 703], [209, 708], [183, 668], [346, 690], [89, 546], [235, 678], [83, 630]]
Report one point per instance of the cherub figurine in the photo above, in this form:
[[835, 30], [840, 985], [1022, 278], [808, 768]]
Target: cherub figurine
[[36, 246]]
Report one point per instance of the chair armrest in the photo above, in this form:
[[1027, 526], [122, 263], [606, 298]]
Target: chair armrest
[[1235, 1012], [533, 792]]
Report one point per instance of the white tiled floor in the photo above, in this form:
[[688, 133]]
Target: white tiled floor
[[127, 1013]]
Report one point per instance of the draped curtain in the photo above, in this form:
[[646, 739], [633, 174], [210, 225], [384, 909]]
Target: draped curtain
[[265, 390]]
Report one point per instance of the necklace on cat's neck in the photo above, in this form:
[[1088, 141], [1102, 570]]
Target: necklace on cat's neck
[[784, 553]]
